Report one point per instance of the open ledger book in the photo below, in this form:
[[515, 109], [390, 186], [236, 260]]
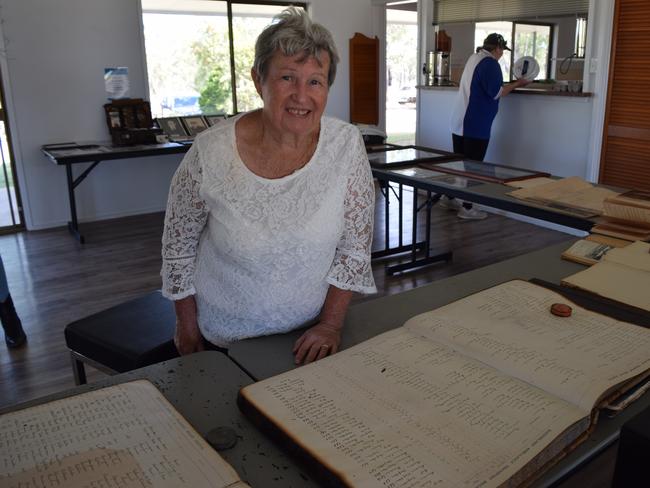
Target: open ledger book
[[573, 196], [623, 275], [486, 391], [124, 436]]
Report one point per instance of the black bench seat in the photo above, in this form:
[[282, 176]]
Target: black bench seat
[[127, 336]]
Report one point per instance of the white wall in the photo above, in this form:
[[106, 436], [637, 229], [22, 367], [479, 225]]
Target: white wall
[[55, 56], [540, 132], [343, 18]]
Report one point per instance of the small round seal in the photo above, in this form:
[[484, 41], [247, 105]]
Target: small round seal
[[561, 310], [221, 438]]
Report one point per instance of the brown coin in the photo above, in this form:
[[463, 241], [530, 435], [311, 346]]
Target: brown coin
[[561, 310], [221, 438]]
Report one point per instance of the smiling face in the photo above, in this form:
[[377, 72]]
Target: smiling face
[[294, 92]]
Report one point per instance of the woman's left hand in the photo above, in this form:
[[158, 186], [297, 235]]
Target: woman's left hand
[[317, 342]]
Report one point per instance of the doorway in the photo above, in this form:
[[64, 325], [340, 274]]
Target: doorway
[[401, 71], [11, 217]]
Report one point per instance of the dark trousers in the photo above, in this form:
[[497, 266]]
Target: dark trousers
[[470, 147]]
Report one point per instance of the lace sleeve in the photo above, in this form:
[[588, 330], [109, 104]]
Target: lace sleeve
[[185, 218], [351, 268]]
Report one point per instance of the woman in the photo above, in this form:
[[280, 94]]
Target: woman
[[269, 218]]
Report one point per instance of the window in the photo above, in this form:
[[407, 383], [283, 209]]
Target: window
[[533, 40], [581, 37], [401, 71], [483, 29], [529, 40], [195, 64]]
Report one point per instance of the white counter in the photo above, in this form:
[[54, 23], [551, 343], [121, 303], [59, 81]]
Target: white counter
[[541, 132]]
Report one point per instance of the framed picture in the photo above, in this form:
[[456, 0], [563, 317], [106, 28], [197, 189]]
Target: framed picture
[[214, 119], [405, 156], [382, 147], [494, 173], [418, 173], [173, 127], [194, 124]]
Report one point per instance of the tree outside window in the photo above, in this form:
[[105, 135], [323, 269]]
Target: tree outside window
[[529, 40], [188, 55]]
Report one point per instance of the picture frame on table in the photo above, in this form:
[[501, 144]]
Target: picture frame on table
[[214, 119], [396, 156], [172, 127], [480, 170], [194, 124]]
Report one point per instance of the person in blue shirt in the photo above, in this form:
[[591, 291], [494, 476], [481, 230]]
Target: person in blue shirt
[[481, 87], [13, 328]]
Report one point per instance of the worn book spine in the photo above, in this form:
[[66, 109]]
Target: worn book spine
[[318, 468]]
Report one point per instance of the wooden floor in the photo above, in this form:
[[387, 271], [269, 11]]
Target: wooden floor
[[54, 280]]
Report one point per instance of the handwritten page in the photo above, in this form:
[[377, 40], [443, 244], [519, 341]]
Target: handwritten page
[[622, 275], [398, 410], [510, 327], [122, 436], [636, 255], [572, 192]]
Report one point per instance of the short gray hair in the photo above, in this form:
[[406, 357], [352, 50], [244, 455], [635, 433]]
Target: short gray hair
[[292, 32]]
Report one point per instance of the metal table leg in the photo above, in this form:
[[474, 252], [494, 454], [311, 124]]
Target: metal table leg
[[428, 259], [73, 224]]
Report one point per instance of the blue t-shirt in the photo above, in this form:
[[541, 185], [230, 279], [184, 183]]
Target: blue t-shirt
[[478, 98]]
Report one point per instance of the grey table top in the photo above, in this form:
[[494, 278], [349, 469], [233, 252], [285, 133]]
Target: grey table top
[[203, 388], [267, 356]]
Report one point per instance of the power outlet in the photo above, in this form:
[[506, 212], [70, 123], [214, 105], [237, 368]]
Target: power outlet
[[593, 65]]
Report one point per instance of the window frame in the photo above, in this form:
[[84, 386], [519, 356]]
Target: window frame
[[581, 37], [551, 40], [231, 43]]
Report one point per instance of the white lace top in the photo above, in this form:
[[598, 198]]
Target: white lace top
[[258, 253]]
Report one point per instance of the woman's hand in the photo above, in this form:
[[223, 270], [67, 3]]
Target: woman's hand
[[317, 342], [187, 338]]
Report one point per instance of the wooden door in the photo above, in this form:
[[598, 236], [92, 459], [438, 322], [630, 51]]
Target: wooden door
[[625, 156], [364, 79]]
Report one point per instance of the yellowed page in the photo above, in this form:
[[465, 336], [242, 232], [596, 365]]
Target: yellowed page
[[626, 212], [122, 436], [573, 191], [511, 328], [611, 280], [586, 252], [399, 410], [637, 198], [636, 255], [610, 241]]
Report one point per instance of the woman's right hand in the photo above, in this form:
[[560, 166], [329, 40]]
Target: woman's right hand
[[187, 338]]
